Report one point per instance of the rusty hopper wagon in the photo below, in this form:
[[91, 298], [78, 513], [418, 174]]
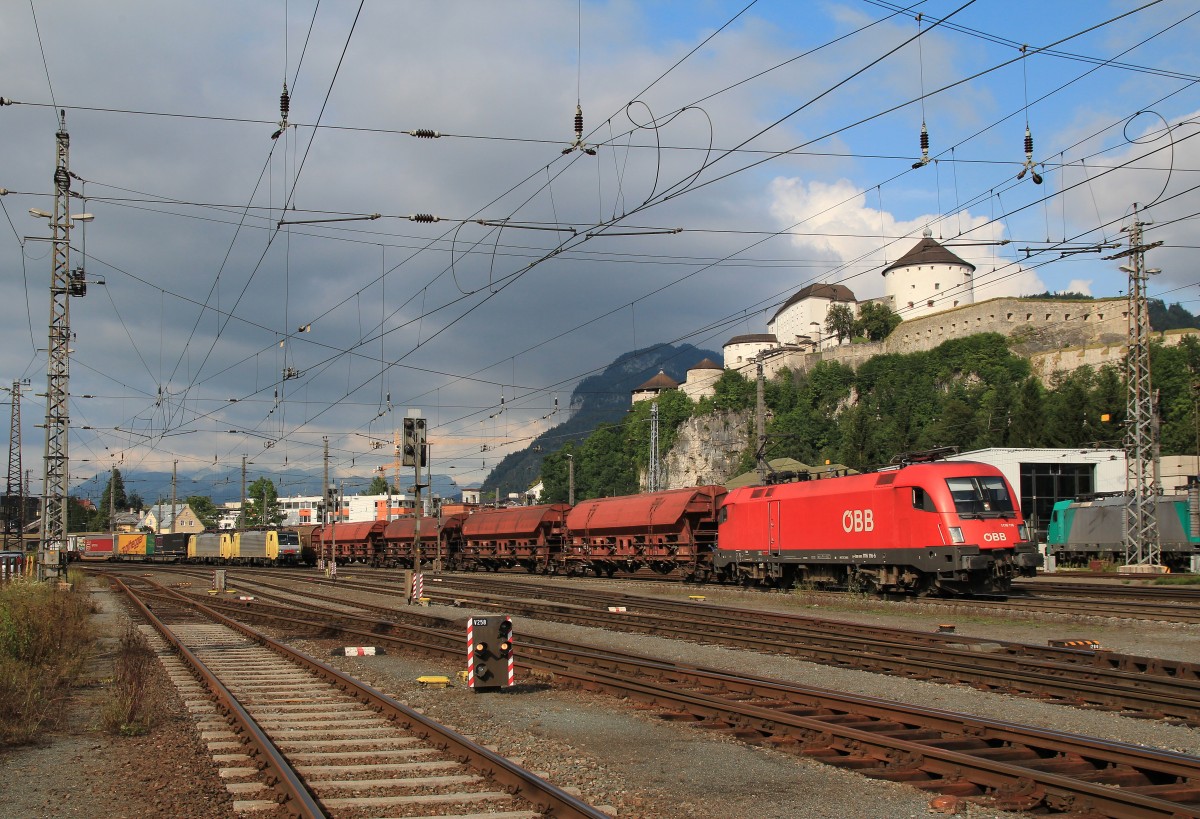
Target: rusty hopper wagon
[[675, 530], [439, 539], [350, 542], [526, 536]]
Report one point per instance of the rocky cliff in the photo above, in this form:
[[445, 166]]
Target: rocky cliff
[[708, 448]]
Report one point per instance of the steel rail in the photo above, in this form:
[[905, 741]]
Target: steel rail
[[548, 799], [1015, 786], [289, 788], [1109, 681]]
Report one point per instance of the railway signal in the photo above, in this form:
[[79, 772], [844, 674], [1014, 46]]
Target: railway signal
[[414, 442], [489, 652]]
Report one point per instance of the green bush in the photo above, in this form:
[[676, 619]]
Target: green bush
[[45, 636]]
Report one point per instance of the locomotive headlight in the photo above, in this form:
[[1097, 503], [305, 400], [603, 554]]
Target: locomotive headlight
[[1022, 532], [956, 535]]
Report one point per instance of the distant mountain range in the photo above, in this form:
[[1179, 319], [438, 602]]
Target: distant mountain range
[[601, 398], [156, 486]]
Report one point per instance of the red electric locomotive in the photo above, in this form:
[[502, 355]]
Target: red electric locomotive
[[665, 531], [949, 527]]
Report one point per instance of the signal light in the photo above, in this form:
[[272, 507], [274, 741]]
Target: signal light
[[489, 667]]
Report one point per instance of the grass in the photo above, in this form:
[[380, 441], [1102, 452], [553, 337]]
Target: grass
[[1177, 580], [45, 639], [132, 709]]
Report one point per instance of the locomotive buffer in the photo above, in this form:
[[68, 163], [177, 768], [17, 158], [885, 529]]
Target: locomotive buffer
[[489, 652]]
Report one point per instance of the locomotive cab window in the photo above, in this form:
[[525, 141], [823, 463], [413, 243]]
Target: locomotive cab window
[[921, 500], [980, 496]]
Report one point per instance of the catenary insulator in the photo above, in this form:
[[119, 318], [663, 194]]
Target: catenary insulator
[[924, 140], [423, 133], [578, 121], [1028, 143], [424, 217], [285, 103]]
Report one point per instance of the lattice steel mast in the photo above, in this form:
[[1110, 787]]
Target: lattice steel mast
[[55, 481], [14, 524], [1142, 546]]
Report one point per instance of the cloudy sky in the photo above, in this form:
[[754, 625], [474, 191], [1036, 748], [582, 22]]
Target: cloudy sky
[[742, 151]]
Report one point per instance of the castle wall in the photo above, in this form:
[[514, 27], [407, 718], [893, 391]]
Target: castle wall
[[1055, 335]]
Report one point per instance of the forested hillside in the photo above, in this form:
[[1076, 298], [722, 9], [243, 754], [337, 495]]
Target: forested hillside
[[970, 393], [603, 398]]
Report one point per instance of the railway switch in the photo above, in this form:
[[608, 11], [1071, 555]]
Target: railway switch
[[489, 652]]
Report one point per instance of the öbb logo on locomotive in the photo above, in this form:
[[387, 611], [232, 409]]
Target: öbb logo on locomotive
[[858, 520]]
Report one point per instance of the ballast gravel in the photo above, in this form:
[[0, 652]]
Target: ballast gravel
[[622, 756]]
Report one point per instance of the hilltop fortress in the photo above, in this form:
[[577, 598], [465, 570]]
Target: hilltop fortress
[[933, 289]]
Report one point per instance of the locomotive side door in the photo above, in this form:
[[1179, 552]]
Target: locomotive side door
[[774, 535]]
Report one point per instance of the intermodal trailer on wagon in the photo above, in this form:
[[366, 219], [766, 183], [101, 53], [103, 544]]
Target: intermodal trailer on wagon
[[949, 527]]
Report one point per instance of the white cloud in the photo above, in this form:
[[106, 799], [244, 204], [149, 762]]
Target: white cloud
[[847, 231]]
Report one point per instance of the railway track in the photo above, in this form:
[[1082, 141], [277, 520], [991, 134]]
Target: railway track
[[290, 731], [1080, 605], [1138, 686], [1008, 766]]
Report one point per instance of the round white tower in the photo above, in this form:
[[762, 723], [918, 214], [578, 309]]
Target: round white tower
[[928, 279]]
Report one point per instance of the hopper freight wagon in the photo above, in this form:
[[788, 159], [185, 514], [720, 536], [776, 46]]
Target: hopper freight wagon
[[349, 542], [526, 536], [1092, 528], [439, 541], [210, 547], [675, 530], [949, 527]]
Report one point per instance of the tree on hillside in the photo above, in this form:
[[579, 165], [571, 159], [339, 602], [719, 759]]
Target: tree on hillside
[[379, 486], [733, 391], [115, 488], [603, 468], [556, 474], [262, 509], [1028, 415], [203, 507], [839, 321], [876, 321]]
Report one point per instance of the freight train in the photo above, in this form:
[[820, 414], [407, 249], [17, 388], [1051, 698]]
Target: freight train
[[1091, 529], [253, 546], [920, 528]]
